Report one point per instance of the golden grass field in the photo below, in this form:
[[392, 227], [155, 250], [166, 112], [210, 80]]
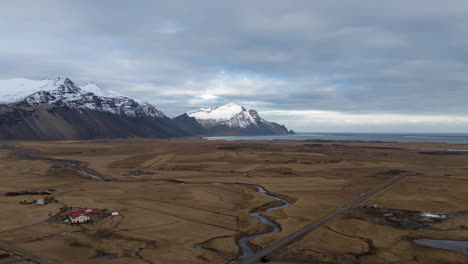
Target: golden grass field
[[168, 204]]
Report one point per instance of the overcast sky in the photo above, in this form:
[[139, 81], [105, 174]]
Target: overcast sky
[[393, 66]]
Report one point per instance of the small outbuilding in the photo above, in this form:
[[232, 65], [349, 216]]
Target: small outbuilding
[[40, 201]]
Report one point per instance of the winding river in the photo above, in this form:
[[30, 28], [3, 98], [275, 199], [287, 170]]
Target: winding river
[[243, 243]]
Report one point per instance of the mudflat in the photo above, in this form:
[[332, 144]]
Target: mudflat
[[192, 201]]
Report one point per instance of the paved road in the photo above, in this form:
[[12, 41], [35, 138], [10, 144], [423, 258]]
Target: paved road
[[298, 234]]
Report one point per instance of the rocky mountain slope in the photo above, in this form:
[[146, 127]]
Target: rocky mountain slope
[[233, 119], [59, 109]]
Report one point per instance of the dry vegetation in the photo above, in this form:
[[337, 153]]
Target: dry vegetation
[[168, 203]]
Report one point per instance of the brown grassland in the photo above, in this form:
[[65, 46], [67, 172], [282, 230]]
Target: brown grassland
[[168, 204]]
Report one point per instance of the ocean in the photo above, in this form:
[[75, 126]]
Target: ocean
[[450, 138]]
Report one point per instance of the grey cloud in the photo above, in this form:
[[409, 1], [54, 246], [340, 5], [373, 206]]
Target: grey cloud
[[350, 56]]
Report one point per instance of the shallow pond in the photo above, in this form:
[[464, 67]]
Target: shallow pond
[[454, 245]]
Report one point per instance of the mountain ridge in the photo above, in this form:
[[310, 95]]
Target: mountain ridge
[[59, 109]]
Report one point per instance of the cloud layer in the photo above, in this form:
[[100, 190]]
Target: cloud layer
[[363, 60]]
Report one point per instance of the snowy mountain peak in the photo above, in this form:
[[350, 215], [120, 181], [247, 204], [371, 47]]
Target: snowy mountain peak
[[221, 113], [64, 92], [231, 105], [65, 85], [235, 119], [254, 114], [232, 115]]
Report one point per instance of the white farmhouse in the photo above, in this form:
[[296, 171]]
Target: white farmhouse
[[78, 216]]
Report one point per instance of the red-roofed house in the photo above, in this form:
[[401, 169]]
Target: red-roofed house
[[81, 215]]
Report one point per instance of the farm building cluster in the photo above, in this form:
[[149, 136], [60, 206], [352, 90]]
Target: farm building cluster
[[73, 215], [82, 215]]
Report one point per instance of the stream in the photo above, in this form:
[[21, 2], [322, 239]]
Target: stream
[[72, 166], [69, 164], [243, 243], [89, 174]]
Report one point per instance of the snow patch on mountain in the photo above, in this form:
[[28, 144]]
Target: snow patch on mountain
[[222, 113], [97, 90], [12, 90]]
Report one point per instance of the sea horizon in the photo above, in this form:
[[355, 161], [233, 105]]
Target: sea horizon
[[440, 137]]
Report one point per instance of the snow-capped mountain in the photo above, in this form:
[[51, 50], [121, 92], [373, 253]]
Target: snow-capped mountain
[[61, 110], [232, 115], [63, 92], [235, 119]]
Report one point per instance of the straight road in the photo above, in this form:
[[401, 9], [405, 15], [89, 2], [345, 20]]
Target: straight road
[[298, 234]]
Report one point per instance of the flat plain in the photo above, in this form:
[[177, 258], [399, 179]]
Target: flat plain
[[191, 200]]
